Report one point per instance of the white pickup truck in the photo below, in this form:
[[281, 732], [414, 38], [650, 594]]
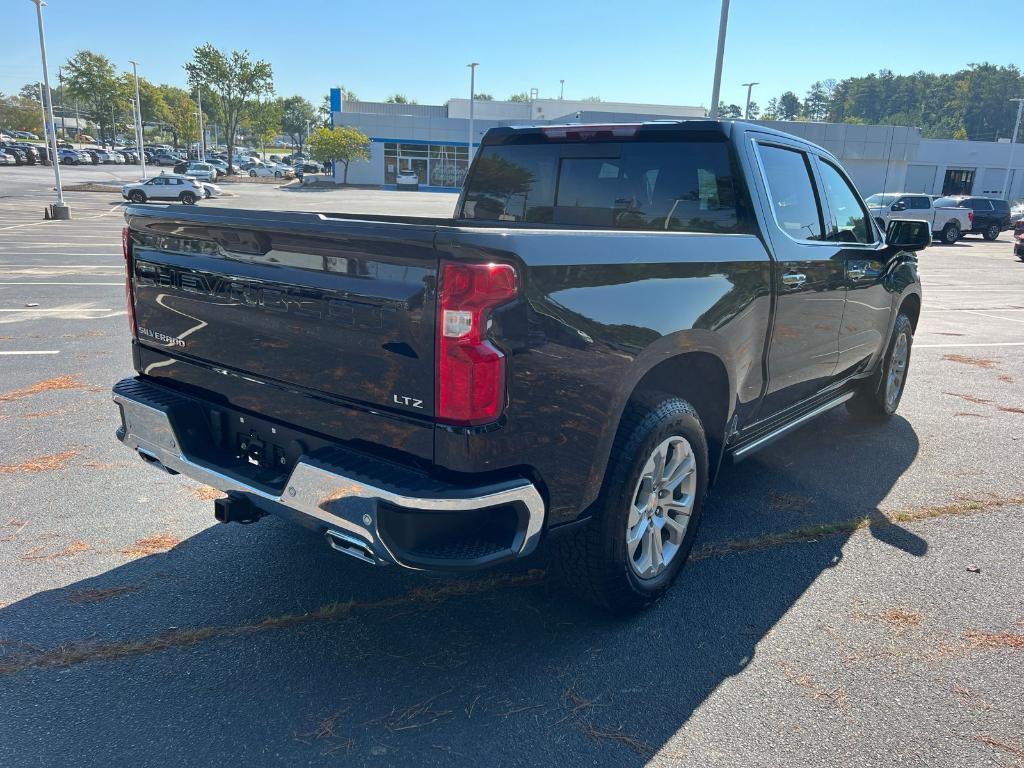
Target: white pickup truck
[[948, 224]]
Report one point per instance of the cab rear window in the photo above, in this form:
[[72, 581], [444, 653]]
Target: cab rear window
[[677, 186]]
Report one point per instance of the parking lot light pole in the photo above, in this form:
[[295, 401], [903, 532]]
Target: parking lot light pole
[[138, 119], [723, 22], [1013, 146], [472, 97], [202, 133], [42, 106], [60, 209], [746, 109]]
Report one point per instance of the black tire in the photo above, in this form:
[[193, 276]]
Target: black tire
[[950, 233], [595, 561], [137, 196], [991, 232], [872, 402], [278, 174], [188, 198], [252, 174]]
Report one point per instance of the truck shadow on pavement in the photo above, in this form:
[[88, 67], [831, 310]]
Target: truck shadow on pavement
[[258, 645]]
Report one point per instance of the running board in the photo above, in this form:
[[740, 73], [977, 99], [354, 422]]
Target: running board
[[765, 440]]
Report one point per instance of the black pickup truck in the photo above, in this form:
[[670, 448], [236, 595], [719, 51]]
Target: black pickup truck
[[612, 312]]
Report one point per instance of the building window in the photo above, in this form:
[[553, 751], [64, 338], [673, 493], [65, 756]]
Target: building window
[[437, 165], [958, 182]]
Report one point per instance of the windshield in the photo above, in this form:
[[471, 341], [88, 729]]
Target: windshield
[[880, 199]]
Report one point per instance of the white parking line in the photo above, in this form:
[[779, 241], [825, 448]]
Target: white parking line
[[65, 311], [32, 352], [994, 317], [967, 344]]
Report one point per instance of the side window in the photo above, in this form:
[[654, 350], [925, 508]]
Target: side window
[[794, 202], [919, 203], [849, 219]]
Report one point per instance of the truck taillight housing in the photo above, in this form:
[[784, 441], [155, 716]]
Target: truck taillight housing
[[129, 291], [470, 369]]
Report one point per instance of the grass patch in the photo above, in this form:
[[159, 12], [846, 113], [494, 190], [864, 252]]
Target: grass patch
[[47, 385], [977, 362], [50, 463], [152, 545], [841, 527], [90, 595]]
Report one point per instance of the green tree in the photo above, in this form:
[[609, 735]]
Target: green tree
[[816, 102], [180, 115], [263, 120], [771, 111], [236, 79], [484, 97], [92, 80], [20, 114], [339, 145], [522, 96], [755, 110], [399, 98], [729, 111], [594, 99], [788, 106], [297, 118]]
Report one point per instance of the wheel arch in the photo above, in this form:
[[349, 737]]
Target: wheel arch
[[911, 307]]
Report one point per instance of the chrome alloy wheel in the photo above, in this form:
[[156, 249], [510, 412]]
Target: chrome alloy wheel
[[897, 370], [662, 504]]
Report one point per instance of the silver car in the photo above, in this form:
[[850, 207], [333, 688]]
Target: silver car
[[166, 186]]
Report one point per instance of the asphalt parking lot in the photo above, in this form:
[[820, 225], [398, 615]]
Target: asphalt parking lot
[[855, 598]]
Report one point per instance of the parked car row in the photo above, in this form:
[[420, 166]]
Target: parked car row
[[951, 217]]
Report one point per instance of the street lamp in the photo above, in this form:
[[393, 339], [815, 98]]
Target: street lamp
[[472, 93], [138, 119], [202, 131], [723, 22], [60, 210], [1013, 146], [561, 89], [746, 110]]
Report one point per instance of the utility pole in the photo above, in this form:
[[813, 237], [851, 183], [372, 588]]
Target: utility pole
[[42, 106], [723, 22], [561, 90], [138, 120], [746, 110], [60, 210], [472, 96], [63, 129], [1013, 146]]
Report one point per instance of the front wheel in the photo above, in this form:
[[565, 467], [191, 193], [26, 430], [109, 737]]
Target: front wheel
[[278, 174], [951, 233], [647, 516], [881, 393], [991, 232], [252, 174], [137, 196]]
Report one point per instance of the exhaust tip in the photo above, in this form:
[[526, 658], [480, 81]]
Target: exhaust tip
[[350, 545]]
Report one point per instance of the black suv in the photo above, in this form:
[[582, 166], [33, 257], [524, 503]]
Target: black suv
[[24, 154], [991, 215]]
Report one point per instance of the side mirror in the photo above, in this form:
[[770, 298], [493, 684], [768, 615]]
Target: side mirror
[[899, 205], [907, 235]]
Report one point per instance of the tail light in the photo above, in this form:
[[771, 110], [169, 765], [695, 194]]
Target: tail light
[[470, 369], [970, 217], [129, 290]]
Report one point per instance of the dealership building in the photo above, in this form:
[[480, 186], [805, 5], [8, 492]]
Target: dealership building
[[432, 141]]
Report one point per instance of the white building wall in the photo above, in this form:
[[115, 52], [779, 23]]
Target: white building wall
[[549, 109]]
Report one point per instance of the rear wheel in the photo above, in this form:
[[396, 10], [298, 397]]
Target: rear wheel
[[881, 393], [278, 174], [252, 174], [991, 232], [188, 198], [648, 513], [950, 233]]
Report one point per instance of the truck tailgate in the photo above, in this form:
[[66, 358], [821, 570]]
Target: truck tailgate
[[326, 306]]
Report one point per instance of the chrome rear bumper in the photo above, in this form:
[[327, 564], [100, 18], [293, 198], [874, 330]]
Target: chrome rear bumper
[[339, 501]]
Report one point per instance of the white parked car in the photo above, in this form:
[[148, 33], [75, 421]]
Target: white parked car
[[408, 179], [277, 170], [211, 190], [202, 171], [166, 186], [948, 224], [6, 159]]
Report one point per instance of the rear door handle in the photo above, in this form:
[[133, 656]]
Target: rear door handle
[[794, 279]]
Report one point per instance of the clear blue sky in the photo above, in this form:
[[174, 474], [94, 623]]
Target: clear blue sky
[[651, 52]]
